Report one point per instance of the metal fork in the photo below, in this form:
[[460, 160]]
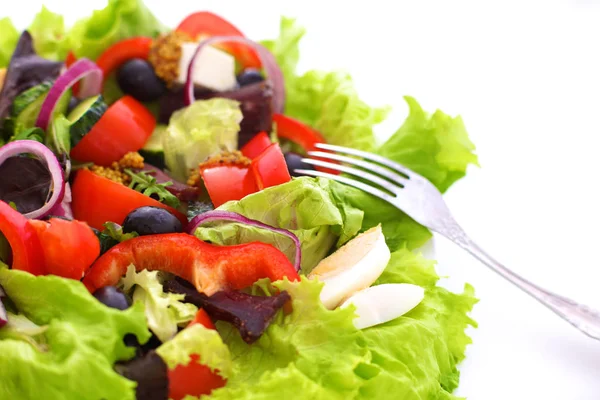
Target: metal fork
[[417, 197]]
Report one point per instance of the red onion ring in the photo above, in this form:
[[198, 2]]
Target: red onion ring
[[91, 85], [17, 147], [268, 63], [3, 315], [218, 215], [63, 209]]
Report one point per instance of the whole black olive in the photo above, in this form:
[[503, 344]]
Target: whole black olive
[[151, 221], [137, 78], [113, 297], [294, 161]]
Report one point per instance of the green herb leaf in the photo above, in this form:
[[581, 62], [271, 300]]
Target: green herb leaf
[[36, 134], [146, 184], [59, 138]]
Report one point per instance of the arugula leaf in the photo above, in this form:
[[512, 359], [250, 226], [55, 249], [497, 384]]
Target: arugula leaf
[[147, 184], [115, 231]]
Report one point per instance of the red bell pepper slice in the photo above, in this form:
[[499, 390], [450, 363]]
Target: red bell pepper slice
[[69, 247], [125, 50], [97, 200], [225, 183], [294, 130], [209, 24], [26, 249], [208, 267], [124, 127], [194, 379], [270, 168], [256, 145]]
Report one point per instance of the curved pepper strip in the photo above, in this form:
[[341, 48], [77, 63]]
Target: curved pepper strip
[[208, 267], [26, 249]]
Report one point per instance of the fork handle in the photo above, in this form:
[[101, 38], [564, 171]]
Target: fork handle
[[582, 317]]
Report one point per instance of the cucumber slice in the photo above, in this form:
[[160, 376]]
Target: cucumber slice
[[152, 151], [24, 99], [84, 117], [26, 106]]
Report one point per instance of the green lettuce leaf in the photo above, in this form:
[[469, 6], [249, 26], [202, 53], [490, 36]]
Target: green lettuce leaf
[[119, 20], [196, 132], [327, 101], [398, 228], [303, 206], [319, 354], [197, 340], [164, 311], [436, 146], [48, 31], [8, 41], [82, 339]]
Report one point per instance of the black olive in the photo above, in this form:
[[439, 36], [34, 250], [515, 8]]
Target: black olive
[[113, 297], [249, 76], [137, 78], [151, 221], [294, 161]]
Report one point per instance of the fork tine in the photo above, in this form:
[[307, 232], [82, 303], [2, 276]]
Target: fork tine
[[368, 156], [350, 182], [372, 167], [387, 185]]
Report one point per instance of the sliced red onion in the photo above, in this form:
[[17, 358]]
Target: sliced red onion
[[267, 59], [63, 209], [17, 147], [3, 315], [218, 215], [90, 86]]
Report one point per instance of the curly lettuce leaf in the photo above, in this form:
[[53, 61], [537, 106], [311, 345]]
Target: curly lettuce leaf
[[436, 146], [82, 338], [319, 353], [119, 20], [302, 206], [200, 341], [198, 131], [164, 311], [398, 228], [8, 40], [48, 31]]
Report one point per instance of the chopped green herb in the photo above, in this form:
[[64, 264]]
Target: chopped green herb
[[146, 184]]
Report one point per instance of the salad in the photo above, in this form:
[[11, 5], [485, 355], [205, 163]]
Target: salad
[[156, 242]]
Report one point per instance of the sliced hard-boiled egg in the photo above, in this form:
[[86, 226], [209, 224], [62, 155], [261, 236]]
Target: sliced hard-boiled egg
[[214, 69], [382, 303], [353, 267]]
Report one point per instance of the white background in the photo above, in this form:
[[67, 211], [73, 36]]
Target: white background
[[526, 78]]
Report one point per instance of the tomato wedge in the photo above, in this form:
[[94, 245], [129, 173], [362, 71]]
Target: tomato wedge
[[225, 183], [69, 247], [124, 127], [209, 267], [204, 23], [120, 52], [26, 249], [97, 200], [256, 145], [270, 168], [194, 379]]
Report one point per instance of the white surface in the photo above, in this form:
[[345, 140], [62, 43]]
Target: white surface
[[526, 78]]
